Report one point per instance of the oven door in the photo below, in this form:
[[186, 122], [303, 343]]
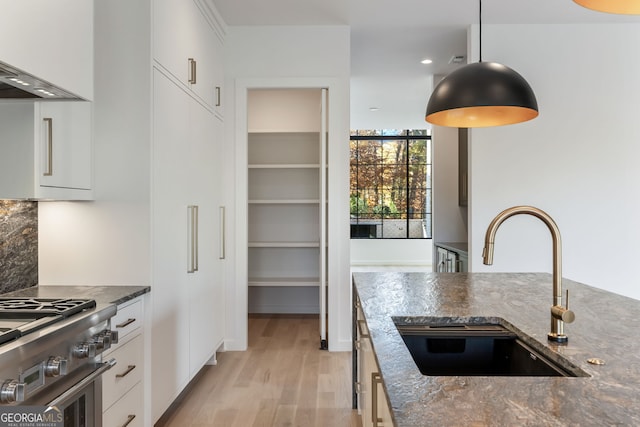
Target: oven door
[[81, 404]]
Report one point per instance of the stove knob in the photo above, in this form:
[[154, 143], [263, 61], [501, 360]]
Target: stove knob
[[102, 341], [113, 335], [12, 391], [84, 350], [55, 367]]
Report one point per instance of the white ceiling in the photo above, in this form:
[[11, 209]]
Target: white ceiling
[[390, 37]]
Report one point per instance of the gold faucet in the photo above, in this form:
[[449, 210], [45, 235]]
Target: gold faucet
[[559, 314]]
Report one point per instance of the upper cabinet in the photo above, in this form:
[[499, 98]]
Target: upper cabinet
[[188, 46], [51, 40], [46, 150]]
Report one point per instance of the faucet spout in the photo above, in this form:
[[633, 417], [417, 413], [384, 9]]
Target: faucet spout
[[559, 314]]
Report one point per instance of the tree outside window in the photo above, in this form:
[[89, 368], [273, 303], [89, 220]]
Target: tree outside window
[[390, 184]]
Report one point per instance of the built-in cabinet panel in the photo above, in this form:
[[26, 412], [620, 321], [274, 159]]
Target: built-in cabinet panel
[[46, 150], [52, 40], [187, 283], [187, 46]]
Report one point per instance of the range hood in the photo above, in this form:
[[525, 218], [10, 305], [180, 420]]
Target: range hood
[[16, 84]]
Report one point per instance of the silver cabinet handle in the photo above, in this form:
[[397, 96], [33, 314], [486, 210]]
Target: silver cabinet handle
[[125, 373], [192, 261], [125, 323], [129, 419], [195, 238], [49, 124], [223, 236], [375, 380], [218, 103], [192, 71]]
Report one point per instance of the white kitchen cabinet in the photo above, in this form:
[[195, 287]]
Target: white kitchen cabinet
[[122, 385], [51, 40], [371, 398], [187, 47], [186, 225], [451, 257], [46, 150]]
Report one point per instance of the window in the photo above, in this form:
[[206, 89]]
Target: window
[[390, 184]]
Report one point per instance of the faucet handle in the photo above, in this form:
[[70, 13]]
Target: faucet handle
[[563, 313]]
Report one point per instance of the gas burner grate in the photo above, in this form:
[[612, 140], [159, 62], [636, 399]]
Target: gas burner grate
[[11, 307]]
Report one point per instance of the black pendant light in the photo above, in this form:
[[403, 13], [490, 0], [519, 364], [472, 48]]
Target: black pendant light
[[481, 94], [624, 7]]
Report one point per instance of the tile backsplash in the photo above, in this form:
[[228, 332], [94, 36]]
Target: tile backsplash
[[18, 245]]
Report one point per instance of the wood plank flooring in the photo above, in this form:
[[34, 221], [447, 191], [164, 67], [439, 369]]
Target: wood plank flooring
[[283, 379]]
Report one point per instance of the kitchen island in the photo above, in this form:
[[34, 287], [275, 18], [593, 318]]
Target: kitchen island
[[607, 327]]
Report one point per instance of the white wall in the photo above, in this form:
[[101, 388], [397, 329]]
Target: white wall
[[578, 160], [291, 56], [390, 252], [449, 219]]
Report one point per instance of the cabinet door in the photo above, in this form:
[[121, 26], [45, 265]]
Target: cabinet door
[[52, 40], [184, 46], [441, 257], [202, 51], [173, 36], [201, 284], [65, 142], [170, 327]]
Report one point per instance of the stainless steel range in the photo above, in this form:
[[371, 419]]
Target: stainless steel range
[[51, 355]]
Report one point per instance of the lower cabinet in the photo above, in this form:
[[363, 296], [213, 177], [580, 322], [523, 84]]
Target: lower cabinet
[[128, 411], [451, 258], [372, 401], [122, 385]]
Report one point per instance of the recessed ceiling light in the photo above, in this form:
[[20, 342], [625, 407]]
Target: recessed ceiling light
[[426, 61], [374, 108]]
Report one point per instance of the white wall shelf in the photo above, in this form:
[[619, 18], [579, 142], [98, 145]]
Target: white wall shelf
[[284, 214], [284, 281], [284, 244]]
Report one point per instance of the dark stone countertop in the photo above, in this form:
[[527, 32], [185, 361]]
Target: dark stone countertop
[[102, 294], [607, 326]]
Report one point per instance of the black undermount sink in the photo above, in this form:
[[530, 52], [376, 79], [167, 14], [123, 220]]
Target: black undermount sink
[[466, 349]]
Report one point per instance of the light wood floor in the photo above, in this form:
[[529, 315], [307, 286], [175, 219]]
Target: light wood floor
[[283, 379]]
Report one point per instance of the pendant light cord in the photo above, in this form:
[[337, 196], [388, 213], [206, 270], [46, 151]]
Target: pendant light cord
[[480, 23]]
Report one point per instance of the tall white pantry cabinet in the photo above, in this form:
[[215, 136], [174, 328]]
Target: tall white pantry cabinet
[[174, 135]]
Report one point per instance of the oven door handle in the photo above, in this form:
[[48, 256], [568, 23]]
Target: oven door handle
[[62, 399]]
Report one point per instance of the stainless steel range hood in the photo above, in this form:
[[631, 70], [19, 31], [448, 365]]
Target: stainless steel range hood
[[16, 84]]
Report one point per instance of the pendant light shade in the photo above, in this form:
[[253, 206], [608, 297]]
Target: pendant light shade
[[624, 7], [482, 94]]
